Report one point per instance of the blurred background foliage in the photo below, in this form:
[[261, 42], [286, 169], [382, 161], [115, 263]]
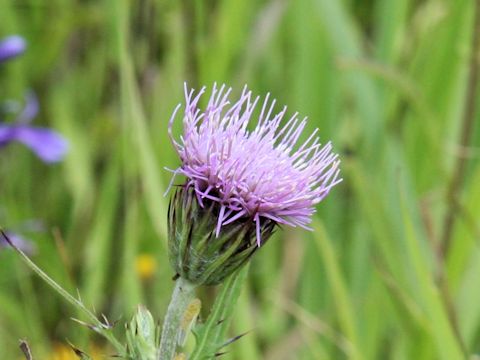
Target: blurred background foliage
[[386, 80]]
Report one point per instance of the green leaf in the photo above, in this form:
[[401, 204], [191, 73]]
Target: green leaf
[[142, 335], [211, 336]]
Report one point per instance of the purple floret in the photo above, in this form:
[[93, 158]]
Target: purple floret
[[259, 173]]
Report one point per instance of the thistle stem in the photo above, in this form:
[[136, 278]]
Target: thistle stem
[[183, 294]]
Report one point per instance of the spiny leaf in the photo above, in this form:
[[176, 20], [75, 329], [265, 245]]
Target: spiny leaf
[[233, 339], [210, 336]]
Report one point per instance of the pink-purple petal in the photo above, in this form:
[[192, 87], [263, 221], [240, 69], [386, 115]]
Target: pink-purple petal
[[263, 173]]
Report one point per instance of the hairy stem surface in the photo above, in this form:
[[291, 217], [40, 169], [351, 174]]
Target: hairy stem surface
[[183, 294]]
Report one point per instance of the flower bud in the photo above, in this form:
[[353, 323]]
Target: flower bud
[[196, 252]]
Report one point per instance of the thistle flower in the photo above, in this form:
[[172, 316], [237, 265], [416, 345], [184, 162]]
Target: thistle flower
[[11, 46], [47, 144], [245, 174]]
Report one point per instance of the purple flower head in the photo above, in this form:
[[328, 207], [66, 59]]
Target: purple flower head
[[253, 166], [11, 47], [47, 144]]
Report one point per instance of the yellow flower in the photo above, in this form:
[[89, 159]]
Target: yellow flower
[[145, 266], [65, 352]]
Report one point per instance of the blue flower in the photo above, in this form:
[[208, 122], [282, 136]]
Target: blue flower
[[11, 47], [19, 241], [47, 144]]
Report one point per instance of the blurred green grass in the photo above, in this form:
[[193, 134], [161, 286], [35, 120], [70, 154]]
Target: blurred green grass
[[385, 80]]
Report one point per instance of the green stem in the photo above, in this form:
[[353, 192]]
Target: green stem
[[183, 294]]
